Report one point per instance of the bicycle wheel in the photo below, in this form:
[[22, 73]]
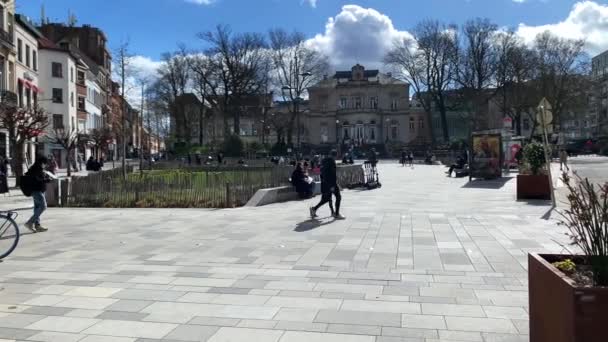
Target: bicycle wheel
[[9, 235]]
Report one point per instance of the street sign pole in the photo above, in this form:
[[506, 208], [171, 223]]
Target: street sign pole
[[547, 156]]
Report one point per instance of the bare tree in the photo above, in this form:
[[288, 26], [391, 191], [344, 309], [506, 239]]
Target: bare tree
[[22, 124], [426, 61], [296, 67], [561, 62], [124, 72], [101, 137], [237, 61], [68, 139], [476, 67], [516, 70], [205, 85], [173, 82]]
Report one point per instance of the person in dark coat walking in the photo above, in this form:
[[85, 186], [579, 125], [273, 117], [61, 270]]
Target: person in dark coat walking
[[38, 180], [3, 176], [329, 186]]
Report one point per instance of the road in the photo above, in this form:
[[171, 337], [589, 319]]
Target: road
[[592, 167]]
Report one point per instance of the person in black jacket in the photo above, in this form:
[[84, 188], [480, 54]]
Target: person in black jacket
[[38, 180], [329, 186], [299, 179]]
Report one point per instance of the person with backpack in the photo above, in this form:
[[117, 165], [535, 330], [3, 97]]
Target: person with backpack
[[329, 186], [34, 182]]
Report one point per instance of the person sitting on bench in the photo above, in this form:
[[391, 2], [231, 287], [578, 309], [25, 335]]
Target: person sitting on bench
[[460, 163], [302, 182]]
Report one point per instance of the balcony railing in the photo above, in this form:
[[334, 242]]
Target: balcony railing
[[7, 37]]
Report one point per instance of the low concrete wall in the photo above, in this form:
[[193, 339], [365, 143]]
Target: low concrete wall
[[277, 195]]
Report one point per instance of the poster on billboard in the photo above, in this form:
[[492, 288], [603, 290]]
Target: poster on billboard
[[486, 156]]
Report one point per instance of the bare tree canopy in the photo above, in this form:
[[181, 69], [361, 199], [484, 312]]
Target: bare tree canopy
[[22, 124], [296, 67], [238, 62], [427, 62]]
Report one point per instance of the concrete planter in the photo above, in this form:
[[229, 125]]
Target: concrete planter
[[560, 311], [533, 187]]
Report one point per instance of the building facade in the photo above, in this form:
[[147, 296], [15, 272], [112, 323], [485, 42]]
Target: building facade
[[359, 107], [26, 72], [57, 79], [599, 72], [7, 65]]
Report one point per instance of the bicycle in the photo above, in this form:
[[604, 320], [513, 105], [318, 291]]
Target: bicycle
[[9, 233]]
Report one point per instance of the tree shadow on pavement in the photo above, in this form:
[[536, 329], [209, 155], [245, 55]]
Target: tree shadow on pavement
[[311, 224], [487, 184]]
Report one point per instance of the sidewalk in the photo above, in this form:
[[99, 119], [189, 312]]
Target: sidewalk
[[424, 258]]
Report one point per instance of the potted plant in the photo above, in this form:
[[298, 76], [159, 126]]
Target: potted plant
[[568, 294], [533, 182]]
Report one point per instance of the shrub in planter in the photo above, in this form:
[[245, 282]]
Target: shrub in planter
[[534, 157], [569, 293], [532, 183]]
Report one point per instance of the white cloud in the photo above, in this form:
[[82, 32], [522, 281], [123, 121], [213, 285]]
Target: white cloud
[[145, 66], [357, 35], [519, 1], [587, 20], [201, 2]]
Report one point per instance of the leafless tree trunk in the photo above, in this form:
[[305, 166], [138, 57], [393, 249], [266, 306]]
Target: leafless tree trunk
[[296, 67], [124, 57], [427, 62]]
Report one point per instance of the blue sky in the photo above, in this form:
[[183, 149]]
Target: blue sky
[[156, 26]]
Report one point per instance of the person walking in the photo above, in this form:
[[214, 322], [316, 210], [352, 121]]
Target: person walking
[[410, 159], [3, 176], [563, 160], [37, 182], [404, 156], [329, 186]]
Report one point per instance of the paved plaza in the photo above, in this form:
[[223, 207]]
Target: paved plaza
[[426, 258]]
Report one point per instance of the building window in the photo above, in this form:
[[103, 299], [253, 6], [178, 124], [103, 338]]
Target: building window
[[57, 70], [20, 50], [526, 124], [20, 93], [358, 102], [373, 102], [81, 103], [412, 124], [57, 121], [81, 77], [343, 103], [372, 134], [28, 98], [57, 95], [421, 123], [27, 55], [394, 132], [35, 60], [394, 104], [72, 99], [71, 74]]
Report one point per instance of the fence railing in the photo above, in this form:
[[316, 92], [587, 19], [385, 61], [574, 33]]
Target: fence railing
[[209, 187]]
